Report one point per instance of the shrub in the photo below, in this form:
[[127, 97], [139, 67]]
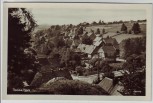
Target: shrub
[[72, 87]]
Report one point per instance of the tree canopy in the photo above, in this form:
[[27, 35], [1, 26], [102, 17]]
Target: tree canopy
[[136, 28], [124, 28], [20, 64]]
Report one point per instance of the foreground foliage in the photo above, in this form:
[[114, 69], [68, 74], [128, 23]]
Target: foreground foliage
[[72, 87]]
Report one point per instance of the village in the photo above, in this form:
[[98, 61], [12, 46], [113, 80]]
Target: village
[[89, 54]]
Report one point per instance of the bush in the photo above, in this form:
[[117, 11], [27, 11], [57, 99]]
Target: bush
[[72, 87], [117, 32], [130, 32], [80, 70]]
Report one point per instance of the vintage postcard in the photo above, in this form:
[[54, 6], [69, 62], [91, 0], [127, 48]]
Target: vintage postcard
[[76, 51]]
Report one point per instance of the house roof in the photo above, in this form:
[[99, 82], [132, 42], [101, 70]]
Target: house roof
[[89, 34], [90, 49], [97, 39], [120, 73], [108, 49], [82, 47], [97, 43], [117, 73], [106, 84], [116, 89]]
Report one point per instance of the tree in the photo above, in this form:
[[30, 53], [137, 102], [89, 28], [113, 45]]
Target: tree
[[103, 31], [134, 84], [124, 28], [130, 32], [98, 31], [80, 30], [138, 46], [136, 28], [87, 40], [134, 62], [100, 23], [66, 56], [80, 70], [21, 24], [59, 41], [94, 23]]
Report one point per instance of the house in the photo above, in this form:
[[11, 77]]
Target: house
[[98, 53], [119, 73], [110, 87], [82, 47], [113, 42], [107, 84], [75, 43], [106, 52], [71, 35], [90, 50], [87, 49], [97, 39], [116, 90], [106, 48]]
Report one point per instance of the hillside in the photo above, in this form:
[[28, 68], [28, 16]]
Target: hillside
[[41, 27], [111, 30]]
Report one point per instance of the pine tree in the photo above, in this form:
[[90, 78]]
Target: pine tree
[[124, 28], [100, 23], [98, 31], [136, 28]]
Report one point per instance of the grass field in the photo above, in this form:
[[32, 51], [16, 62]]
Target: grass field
[[111, 30], [121, 37]]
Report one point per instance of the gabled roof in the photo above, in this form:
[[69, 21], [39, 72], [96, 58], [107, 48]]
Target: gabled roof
[[90, 49], [97, 39], [106, 84], [116, 89], [117, 74], [97, 43], [107, 49], [120, 73], [89, 34], [82, 47]]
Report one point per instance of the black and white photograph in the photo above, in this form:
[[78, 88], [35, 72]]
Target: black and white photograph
[[90, 49]]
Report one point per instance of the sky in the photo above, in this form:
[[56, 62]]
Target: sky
[[60, 16]]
